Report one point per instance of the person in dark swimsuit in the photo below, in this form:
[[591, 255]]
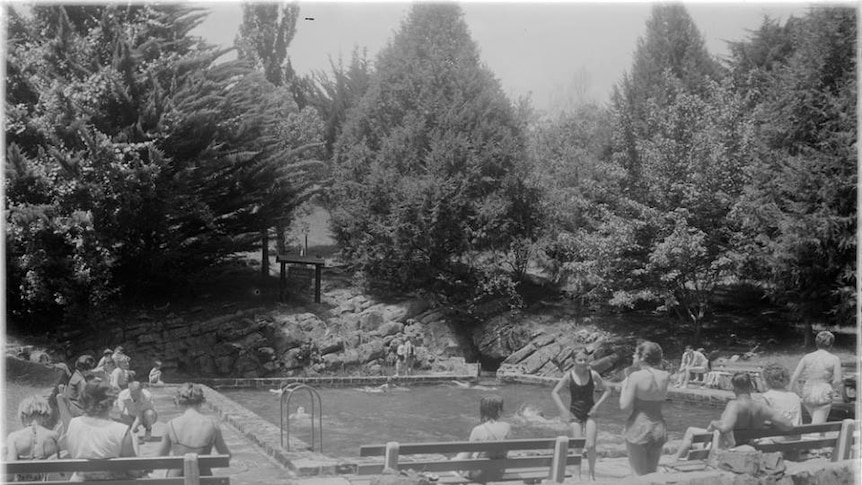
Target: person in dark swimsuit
[[582, 382], [641, 397], [192, 432]]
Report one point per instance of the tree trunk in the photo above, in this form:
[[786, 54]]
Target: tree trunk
[[809, 334], [264, 253], [697, 327], [279, 238]]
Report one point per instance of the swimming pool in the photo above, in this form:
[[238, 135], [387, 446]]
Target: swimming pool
[[353, 417]]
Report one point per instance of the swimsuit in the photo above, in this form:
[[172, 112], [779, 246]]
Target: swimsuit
[[484, 433], [817, 390], [582, 397], [646, 424], [200, 450]]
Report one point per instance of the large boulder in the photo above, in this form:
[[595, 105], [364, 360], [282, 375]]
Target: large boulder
[[286, 337], [390, 328], [500, 336], [370, 320]]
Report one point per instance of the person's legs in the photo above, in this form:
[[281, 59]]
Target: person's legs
[[653, 455], [686, 374], [590, 446], [578, 432], [819, 414], [699, 374], [148, 420], [637, 458], [686, 444]]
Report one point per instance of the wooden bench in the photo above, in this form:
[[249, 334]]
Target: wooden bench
[[190, 464], [837, 435], [559, 453]]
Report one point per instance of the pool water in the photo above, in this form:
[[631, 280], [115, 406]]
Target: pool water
[[353, 417]]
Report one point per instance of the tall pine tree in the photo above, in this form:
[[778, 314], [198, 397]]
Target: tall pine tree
[[430, 165]]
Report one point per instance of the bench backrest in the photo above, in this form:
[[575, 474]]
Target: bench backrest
[[444, 447], [556, 462], [190, 464], [840, 438]]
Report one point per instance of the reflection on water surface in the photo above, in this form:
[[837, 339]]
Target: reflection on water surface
[[352, 417]]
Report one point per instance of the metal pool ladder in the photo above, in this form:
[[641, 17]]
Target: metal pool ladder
[[316, 410]]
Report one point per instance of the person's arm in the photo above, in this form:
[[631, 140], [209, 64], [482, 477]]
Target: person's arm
[[127, 448], [136, 423], [796, 373], [727, 421], [220, 445], [627, 395], [555, 396], [606, 392]]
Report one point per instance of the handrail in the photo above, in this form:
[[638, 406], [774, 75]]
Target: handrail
[[286, 394]]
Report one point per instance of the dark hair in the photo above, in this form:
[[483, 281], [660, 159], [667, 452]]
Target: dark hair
[[650, 352], [490, 407], [824, 340], [741, 382], [776, 376], [98, 398], [85, 362], [190, 394]]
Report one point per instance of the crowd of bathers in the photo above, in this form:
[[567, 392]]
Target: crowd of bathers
[[99, 410], [644, 391]]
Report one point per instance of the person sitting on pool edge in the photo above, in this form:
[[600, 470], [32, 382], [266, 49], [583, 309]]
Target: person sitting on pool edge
[[740, 413], [490, 429], [698, 365]]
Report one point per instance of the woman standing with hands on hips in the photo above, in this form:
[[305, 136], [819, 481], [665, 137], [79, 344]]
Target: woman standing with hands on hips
[[582, 382], [641, 397]]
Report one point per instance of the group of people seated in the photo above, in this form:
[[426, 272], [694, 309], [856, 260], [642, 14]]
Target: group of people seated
[[102, 416]]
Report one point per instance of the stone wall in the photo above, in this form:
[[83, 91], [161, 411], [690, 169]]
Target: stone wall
[[358, 336], [814, 472]]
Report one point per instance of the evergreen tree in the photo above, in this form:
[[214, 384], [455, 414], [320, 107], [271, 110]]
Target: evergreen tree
[[671, 55], [134, 159], [335, 94], [799, 208], [430, 165]]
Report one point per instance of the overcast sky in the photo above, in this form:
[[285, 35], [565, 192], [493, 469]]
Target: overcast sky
[[545, 50]]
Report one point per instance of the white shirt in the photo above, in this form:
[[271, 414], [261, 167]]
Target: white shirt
[[130, 407], [95, 438]]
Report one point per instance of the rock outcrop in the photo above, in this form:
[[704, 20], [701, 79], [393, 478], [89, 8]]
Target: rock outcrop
[[358, 335]]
